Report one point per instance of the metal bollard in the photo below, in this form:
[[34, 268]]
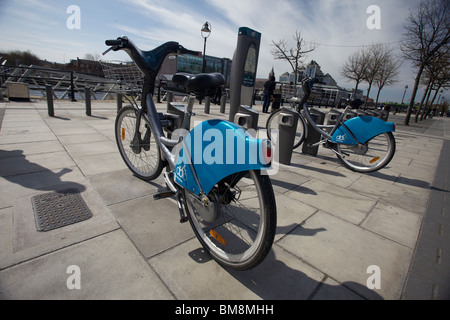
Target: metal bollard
[[223, 103], [287, 127], [207, 104], [51, 109], [87, 93], [169, 98], [119, 102]]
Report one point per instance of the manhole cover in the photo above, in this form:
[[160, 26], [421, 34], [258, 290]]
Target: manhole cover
[[59, 209]]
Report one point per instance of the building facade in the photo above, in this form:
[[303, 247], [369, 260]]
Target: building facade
[[193, 64]]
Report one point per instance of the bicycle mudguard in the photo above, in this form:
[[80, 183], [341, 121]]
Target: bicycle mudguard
[[363, 129], [216, 149]]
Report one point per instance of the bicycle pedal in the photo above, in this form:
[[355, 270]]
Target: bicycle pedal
[[163, 195]]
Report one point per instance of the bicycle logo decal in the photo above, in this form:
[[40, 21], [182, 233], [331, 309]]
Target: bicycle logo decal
[[341, 138], [181, 173]]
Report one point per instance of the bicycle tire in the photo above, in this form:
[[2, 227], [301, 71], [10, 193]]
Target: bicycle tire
[[272, 124], [375, 155], [140, 153], [237, 250]]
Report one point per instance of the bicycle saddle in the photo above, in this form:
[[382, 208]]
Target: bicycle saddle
[[200, 84]]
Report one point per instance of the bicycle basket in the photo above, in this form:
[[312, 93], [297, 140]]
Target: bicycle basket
[[124, 76]]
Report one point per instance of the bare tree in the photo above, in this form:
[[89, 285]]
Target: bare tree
[[293, 55], [427, 34], [376, 59], [355, 67], [388, 73], [92, 56], [437, 73]]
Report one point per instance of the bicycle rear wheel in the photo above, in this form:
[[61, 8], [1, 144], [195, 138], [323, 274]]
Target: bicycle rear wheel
[[275, 119], [241, 231], [372, 156], [138, 149]]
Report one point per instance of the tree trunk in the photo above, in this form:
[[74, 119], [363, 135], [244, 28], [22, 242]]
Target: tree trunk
[[367, 98], [378, 95], [421, 102], [356, 89], [413, 97]]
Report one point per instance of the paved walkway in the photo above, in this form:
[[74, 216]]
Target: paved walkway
[[334, 225]]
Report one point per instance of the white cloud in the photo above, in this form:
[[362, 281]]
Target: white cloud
[[341, 23]]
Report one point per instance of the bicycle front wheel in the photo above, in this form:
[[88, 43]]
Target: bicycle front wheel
[[138, 148], [274, 121], [238, 232], [372, 156]]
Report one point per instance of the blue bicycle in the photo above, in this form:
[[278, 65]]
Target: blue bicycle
[[215, 172], [362, 144]]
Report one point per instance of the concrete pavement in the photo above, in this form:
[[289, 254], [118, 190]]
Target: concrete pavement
[[333, 225]]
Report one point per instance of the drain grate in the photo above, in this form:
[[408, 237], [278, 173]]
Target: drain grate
[[59, 209]]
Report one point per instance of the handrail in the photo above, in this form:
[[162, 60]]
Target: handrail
[[68, 82]]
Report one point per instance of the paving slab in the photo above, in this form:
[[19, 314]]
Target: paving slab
[[30, 148], [332, 223], [394, 223], [119, 186], [410, 199], [191, 274], [28, 243], [152, 225], [347, 205], [109, 265], [344, 252], [16, 162]]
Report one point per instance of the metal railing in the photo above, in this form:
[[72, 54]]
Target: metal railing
[[65, 84]]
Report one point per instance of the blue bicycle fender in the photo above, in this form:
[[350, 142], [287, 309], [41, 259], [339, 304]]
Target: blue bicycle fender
[[363, 128], [217, 150]]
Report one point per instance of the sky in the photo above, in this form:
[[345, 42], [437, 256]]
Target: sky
[[337, 27]]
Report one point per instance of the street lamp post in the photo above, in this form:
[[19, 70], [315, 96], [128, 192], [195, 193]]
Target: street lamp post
[[406, 88], [206, 32]]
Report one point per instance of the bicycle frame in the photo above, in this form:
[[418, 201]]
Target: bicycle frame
[[356, 131]]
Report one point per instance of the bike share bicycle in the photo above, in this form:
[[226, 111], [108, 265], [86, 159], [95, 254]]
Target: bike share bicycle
[[228, 200], [362, 144]]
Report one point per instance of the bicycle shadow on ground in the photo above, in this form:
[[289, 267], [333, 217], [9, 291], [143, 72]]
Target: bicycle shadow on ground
[[17, 169], [292, 186], [319, 170], [301, 231], [405, 180], [275, 280]]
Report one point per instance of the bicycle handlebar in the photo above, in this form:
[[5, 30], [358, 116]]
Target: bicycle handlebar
[[149, 62], [123, 42], [113, 42]]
